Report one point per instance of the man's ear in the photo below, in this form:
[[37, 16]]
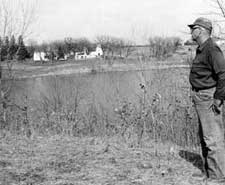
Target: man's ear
[[199, 31]]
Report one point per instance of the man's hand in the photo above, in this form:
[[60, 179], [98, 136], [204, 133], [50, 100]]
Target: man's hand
[[216, 105], [217, 102]]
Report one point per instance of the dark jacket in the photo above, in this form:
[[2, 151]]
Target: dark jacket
[[208, 69]]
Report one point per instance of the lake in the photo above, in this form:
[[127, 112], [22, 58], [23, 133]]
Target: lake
[[105, 90], [107, 101]]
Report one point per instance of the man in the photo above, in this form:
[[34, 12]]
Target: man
[[207, 78]]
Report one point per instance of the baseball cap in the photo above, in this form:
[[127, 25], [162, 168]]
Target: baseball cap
[[203, 22]]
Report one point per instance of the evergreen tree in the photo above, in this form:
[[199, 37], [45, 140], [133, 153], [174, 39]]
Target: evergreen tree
[[1, 55], [60, 52], [6, 42], [1, 42], [20, 40], [21, 53], [30, 50], [1, 45], [12, 48], [4, 48]]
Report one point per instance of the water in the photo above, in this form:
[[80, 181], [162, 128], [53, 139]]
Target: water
[[82, 104], [105, 90]]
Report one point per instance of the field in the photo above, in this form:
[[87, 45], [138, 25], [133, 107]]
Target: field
[[94, 161], [72, 137]]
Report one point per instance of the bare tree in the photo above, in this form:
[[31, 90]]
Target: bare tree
[[5, 93], [162, 47], [114, 46], [129, 48], [217, 8], [17, 17], [104, 41], [218, 13]]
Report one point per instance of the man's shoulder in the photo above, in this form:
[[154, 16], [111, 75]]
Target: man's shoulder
[[213, 46]]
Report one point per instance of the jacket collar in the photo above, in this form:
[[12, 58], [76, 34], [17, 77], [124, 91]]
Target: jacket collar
[[201, 47]]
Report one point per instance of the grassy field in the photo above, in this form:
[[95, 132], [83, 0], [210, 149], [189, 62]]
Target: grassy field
[[64, 160]]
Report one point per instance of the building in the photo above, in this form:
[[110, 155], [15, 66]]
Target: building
[[93, 54], [80, 55], [40, 56]]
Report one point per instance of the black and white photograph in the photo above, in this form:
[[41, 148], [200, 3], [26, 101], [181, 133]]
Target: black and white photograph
[[112, 92]]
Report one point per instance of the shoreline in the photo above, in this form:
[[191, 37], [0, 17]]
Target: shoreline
[[102, 69], [21, 71]]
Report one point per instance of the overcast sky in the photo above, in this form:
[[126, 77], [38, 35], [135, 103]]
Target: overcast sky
[[133, 19]]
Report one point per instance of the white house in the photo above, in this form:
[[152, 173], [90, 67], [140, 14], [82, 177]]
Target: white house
[[93, 54], [98, 52], [40, 56], [80, 55]]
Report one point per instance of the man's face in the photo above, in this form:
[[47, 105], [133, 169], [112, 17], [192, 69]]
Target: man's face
[[195, 32]]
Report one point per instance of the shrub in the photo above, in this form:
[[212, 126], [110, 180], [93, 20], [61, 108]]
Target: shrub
[[161, 47]]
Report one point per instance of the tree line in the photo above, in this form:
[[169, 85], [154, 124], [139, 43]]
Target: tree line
[[11, 49], [111, 46]]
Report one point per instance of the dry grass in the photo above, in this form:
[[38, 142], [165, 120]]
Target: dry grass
[[92, 161]]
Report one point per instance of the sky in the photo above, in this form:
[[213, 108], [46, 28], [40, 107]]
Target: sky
[[131, 19]]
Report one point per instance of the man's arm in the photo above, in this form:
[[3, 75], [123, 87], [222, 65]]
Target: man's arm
[[218, 64], [220, 88]]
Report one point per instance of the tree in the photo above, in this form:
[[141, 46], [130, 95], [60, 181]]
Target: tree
[[218, 12], [81, 43], [21, 53], [1, 55], [56, 49], [60, 53], [12, 48], [104, 41], [1, 41], [17, 17], [114, 46], [129, 48], [69, 44], [31, 47], [6, 42], [4, 48], [162, 47]]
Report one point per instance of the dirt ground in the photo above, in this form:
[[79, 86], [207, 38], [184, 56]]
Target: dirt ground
[[93, 161]]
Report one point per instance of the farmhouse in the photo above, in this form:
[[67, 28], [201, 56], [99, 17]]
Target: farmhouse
[[40, 56], [93, 54], [80, 55]]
